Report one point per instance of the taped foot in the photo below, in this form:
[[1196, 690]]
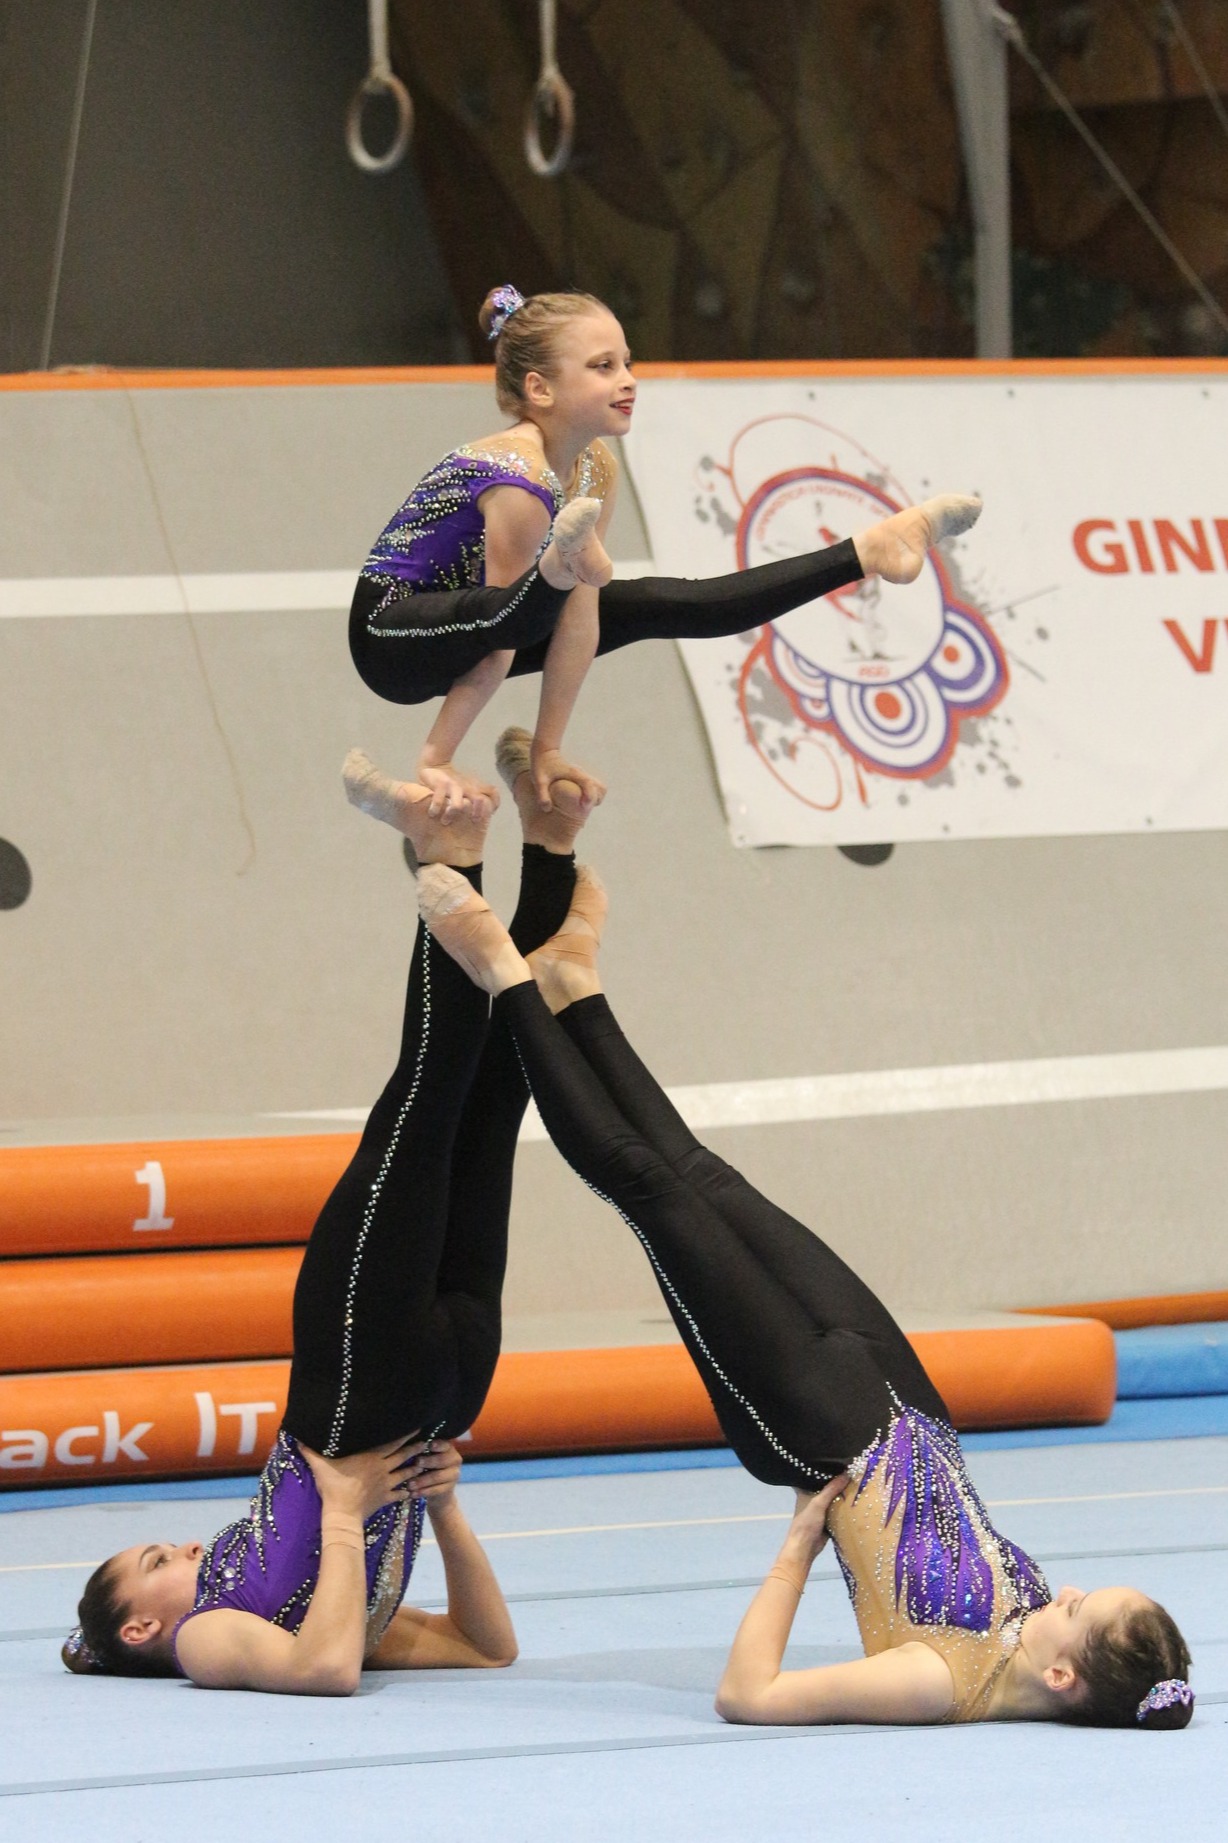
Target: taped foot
[[568, 960], [575, 553], [465, 926], [895, 549], [513, 761], [406, 807]]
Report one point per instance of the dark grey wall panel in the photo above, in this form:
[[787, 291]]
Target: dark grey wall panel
[[216, 218]]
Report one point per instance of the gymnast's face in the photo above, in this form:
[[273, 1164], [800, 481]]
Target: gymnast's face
[[590, 385], [1053, 1637], [157, 1583]]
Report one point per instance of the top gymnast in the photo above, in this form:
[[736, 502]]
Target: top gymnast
[[495, 563]]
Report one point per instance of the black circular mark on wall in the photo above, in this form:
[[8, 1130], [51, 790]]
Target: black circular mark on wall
[[15, 879], [866, 854]]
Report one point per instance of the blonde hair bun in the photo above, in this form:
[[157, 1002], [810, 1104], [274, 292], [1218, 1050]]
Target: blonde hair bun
[[524, 332]]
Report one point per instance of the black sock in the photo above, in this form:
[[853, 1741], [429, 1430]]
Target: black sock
[[547, 880]]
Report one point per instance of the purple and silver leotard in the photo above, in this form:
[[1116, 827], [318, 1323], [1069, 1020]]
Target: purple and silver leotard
[[269, 1561], [922, 1561], [437, 539]]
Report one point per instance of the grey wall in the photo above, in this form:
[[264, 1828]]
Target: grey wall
[[212, 930], [215, 216]]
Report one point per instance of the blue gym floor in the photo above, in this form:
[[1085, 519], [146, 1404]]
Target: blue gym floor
[[626, 1588]]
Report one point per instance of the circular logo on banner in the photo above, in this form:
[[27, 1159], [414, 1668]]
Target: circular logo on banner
[[877, 673], [888, 669]]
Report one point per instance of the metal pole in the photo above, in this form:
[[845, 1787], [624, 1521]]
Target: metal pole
[[977, 53]]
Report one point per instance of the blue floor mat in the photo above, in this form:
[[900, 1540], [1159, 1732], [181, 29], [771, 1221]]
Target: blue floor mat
[[626, 1588], [1163, 1360]]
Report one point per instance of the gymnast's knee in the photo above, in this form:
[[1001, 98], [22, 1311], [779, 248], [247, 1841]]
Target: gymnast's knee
[[632, 1172]]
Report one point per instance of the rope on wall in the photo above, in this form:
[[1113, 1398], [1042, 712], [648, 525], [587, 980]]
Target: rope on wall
[[380, 80], [70, 171], [1200, 70], [1012, 32], [552, 107]]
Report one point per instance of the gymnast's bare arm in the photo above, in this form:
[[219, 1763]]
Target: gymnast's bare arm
[[908, 1684], [235, 1650]]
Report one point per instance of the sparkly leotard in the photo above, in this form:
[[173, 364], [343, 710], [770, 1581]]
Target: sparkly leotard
[[423, 614], [923, 1562], [268, 1562], [437, 539]]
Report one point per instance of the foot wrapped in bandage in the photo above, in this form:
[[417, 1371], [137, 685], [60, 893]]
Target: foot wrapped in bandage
[[565, 967], [467, 928], [895, 548], [575, 553], [556, 829], [406, 807]]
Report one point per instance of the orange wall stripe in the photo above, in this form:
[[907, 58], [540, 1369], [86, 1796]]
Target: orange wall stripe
[[103, 378], [1134, 1314], [216, 1192], [115, 1423]]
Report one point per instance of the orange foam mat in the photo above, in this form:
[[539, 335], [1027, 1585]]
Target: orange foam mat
[[213, 1305], [1134, 1314], [175, 1193], [91, 1311], [113, 1423]]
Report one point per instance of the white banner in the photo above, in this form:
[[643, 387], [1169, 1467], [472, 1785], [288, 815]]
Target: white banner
[[1061, 668]]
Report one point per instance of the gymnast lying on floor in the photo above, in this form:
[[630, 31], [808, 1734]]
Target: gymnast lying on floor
[[815, 1387], [396, 1333]]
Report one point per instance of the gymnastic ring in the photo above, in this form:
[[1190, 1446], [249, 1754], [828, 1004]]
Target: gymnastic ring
[[553, 92], [379, 84]]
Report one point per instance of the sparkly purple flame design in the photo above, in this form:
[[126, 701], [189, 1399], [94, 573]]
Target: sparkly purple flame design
[[942, 1568]]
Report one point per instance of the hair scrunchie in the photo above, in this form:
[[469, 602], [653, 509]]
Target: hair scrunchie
[[506, 301], [1163, 1695], [83, 1658]]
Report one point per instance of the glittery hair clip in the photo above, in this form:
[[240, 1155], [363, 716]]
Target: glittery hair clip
[[506, 301], [78, 1650], [1173, 1689]]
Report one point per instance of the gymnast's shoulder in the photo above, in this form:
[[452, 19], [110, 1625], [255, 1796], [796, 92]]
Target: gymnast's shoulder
[[597, 473]]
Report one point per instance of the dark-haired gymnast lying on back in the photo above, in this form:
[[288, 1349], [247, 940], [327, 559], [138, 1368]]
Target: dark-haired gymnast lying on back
[[815, 1387], [396, 1333]]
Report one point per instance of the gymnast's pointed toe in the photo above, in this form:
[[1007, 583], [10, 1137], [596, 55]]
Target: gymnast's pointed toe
[[576, 553], [950, 513]]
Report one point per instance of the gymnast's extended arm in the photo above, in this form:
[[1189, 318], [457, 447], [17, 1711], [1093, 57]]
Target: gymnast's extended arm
[[908, 1684]]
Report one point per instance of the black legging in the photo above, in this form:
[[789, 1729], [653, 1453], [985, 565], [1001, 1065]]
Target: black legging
[[801, 1360], [397, 1308], [417, 646]]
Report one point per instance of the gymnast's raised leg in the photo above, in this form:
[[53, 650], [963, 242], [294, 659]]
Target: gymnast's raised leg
[[802, 1362], [679, 608], [814, 1385]]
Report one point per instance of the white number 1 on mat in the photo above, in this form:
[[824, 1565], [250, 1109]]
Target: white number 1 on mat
[[151, 1174]]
